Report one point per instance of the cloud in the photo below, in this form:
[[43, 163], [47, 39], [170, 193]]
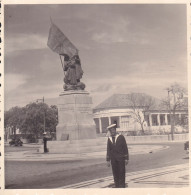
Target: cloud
[[117, 36], [25, 42], [21, 96], [153, 84], [123, 48], [104, 37], [113, 30], [14, 81]]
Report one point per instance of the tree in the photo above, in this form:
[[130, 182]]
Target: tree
[[33, 122], [6, 124], [175, 100], [6, 118], [140, 103], [14, 118], [33, 119], [39, 117], [51, 118]]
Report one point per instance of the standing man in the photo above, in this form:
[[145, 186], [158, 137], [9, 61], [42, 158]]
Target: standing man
[[117, 156], [45, 142]]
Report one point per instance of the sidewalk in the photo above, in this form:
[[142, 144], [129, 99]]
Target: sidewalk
[[34, 156], [166, 177]]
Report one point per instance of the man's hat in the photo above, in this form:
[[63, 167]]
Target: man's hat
[[110, 126]]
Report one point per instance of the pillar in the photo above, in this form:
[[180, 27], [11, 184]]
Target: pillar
[[166, 119], [150, 120], [119, 121], [100, 126], [109, 118], [158, 119]]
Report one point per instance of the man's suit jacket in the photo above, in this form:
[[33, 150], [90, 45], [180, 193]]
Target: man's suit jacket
[[117, 151]]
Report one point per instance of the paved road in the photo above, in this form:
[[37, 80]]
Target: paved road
[[171, 176], [30, 154], [54, 174]]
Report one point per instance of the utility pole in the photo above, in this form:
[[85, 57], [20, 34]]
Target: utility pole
[[170, 112], [44, 113]]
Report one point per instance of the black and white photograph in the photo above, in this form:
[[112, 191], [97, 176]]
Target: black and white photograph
[[96, 96]]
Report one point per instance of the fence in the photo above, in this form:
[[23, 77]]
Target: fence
[[160, 138]]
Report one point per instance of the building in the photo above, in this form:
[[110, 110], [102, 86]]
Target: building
[[127, 109]]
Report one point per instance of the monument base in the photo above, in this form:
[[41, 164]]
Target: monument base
[[75, 116], [76, 131], [76, 146]]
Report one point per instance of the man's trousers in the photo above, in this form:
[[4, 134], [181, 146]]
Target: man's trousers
[[118, 168]]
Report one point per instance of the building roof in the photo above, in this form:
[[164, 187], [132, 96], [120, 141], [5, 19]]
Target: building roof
[[124, 101], [119, 101], [115, 101]]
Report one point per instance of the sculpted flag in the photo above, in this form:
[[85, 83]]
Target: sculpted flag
[[59, 43]]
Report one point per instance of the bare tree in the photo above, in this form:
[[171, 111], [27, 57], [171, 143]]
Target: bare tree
[[175, 101], [140, 103]]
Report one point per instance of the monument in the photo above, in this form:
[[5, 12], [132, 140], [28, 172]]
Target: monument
[[76, 129], [75, 116]]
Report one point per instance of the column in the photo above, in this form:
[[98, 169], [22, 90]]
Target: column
[[109, 118], [150, 120], [119, 122], [158, 119], [166, 119], [100, 126]]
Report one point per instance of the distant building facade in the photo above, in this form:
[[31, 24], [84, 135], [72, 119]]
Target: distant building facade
[[117, 109]]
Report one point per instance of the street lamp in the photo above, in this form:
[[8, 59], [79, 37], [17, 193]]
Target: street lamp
[[40, 99], [44, 112]]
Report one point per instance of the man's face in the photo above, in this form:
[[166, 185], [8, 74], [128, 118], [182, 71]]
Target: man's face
[[113, 131]]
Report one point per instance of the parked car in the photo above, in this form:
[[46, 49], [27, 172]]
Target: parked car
[[15, 142], [186, 146]]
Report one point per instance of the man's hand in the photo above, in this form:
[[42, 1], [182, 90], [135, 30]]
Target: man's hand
[[126, 162], [108, 163]]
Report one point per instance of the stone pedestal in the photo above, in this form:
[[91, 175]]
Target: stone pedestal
[[75, 117], [76, 146]]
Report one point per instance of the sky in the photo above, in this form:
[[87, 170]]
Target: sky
[[123, 48]]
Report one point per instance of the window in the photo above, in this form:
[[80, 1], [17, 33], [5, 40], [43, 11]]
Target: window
[[124, 123], [154, 120], [162, 119]]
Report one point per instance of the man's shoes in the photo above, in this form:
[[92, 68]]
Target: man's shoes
[[112, 185]]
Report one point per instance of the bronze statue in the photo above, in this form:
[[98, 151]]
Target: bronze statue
[[60, 44], [74, 73]]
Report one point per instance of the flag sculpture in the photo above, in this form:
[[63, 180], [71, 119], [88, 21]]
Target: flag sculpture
[[68, 53]]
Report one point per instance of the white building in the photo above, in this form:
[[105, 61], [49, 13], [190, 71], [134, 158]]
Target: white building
[[118, 109]]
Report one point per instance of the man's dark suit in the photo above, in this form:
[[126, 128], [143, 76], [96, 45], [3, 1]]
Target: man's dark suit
[[45, 144], [117, 153]]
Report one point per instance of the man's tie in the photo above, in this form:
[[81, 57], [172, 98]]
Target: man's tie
[[113, 139]]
